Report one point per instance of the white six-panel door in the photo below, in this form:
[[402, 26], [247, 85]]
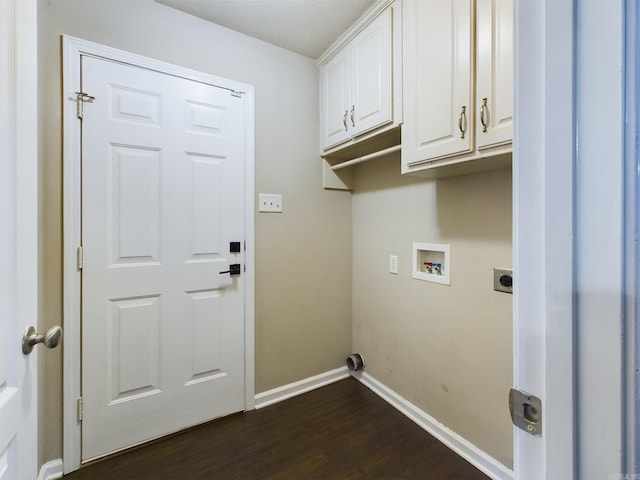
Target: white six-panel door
[[18, 238], [162, 198]]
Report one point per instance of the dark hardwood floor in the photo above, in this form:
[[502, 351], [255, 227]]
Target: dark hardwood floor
[[342, 431]]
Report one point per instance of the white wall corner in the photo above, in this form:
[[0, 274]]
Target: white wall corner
[[284, 392], [51, 470], [479, 459]]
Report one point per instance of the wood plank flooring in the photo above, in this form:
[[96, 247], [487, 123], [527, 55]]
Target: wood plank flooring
[[342, 431]]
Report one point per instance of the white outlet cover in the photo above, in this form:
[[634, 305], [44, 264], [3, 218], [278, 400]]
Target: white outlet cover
[[270, 202]]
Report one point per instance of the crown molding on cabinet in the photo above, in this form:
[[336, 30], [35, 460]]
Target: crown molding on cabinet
[[354, 30]]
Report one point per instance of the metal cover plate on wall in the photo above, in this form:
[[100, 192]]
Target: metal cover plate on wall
[[526, 411], [503, 280]]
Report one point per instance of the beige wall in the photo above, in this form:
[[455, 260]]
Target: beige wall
[[303, 256], [446, 349]]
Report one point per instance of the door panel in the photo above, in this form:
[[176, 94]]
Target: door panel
[[18, 238], [134, 365], [134, 193], [163, 195]]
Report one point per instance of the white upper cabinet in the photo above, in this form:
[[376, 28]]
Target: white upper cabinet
[[371, 76], [456, 54], [335, 82], [356, 81], [494, 77], [438, 79]]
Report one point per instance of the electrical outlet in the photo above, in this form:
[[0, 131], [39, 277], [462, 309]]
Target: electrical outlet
[[268, 202], [393, 264], [503, 280]]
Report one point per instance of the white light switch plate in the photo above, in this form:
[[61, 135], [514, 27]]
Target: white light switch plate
[[268, 202], [393, 264]]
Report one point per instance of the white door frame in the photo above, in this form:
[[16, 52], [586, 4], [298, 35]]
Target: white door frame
[[543, 223], [73, 49], [631, 325], [570, 201]]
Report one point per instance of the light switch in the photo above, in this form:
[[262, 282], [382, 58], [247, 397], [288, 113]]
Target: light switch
[[268, 202]]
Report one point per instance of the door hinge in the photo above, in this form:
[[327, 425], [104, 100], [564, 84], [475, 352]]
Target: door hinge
[[82, 97], [80, 258], [80, 408], [526, 411]]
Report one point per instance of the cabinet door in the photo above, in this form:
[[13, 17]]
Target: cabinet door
[[438, 88], [494, 66], [371, 87], [334, 100]]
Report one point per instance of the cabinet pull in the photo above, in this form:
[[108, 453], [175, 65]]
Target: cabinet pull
[[353, 109], [344, 119], [483, 114], [462, 121]]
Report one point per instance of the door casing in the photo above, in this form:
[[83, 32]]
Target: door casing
[[571, 328], [73, 49]]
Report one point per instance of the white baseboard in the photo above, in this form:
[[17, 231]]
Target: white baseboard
[[479, 459], [303, 386], [51, 470]]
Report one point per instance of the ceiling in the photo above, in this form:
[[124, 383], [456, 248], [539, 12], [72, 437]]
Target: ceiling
[[307, 27]]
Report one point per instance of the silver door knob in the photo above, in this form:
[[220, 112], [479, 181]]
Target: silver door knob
[[51, 338]]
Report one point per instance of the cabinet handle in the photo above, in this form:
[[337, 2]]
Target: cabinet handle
[[462, 121], [483, 114], [344, 119], [353, 109]]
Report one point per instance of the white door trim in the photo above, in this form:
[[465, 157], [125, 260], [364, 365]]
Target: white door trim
[[569, 265], [543, 222], [631, 355], [600, 210], [73, 48]]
